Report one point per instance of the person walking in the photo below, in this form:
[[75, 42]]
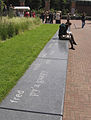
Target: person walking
[[47, 17], [58, 17], [51, 17], [42, 16], [83, 20], [33, 14], [27, 14]]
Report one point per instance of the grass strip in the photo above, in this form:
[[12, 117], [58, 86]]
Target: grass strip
[[17, 53]]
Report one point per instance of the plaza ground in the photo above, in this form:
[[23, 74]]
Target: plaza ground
[[77, 104]]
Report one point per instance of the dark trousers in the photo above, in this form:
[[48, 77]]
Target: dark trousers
[[83, 24], [72, 41]]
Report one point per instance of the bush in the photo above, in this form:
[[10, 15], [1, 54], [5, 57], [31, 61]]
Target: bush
[[16, 26], [36, 21], [11, 27], [3, 31], [10, 30], [65, 11]]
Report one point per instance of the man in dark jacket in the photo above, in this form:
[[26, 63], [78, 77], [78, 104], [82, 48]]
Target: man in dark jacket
[[64, 30], [83, 20]]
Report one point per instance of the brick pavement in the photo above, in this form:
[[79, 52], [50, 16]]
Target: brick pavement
[[77, 104]]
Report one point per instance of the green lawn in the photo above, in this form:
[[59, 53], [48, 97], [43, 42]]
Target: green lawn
[[18, 53]]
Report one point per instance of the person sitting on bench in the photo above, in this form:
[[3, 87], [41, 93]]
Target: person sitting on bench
[[71, 39]]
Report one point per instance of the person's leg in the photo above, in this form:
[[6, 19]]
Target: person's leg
[[71, 44], [83, 24], [71, 41], [72, 38], [42, 20]]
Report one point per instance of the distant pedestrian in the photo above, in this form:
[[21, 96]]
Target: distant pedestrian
[[83, 20], [58, 17], [27, 14], [5, 10], [42, 17], [47, 17], [33, 14], [51, 17]]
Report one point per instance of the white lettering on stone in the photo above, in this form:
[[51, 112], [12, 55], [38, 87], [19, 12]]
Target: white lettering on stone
[[44, 55], [39, 82], [20, 91], [34, 92], [12, 101], [37, 85], [17, 96], [42, 75]]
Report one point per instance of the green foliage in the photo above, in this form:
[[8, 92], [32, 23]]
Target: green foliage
[[18, 53], [11, 27], [16, 26], [56, 4], [11, 13], [38, 4], [34, 4], [1, 7], [3, 31], [36, 21], [10, 30], [65, 11]]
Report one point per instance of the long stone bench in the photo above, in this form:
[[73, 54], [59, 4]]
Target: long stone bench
[[39, 94]]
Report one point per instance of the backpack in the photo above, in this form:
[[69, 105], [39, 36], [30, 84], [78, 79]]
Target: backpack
[[62, 29]]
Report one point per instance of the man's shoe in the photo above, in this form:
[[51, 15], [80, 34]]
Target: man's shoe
[[74, 43], [72, 48]]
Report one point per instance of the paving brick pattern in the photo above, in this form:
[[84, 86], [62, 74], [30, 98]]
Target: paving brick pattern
[[77, 104]]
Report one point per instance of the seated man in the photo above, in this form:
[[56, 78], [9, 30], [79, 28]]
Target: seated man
[[65, 30], [71, 39]]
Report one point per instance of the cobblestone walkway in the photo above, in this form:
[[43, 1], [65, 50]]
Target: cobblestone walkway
[[77, 104]]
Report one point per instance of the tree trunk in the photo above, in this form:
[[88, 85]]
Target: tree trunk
[[47, 5]]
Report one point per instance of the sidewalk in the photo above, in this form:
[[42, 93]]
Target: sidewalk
[[77, 104]]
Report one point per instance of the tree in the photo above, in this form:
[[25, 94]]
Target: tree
[[42, 3], [56, 4], [60, 4], [37, 4], [34, 4], [1, 7], [13, 2]]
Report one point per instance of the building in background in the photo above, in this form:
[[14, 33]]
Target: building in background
[[81, 6], [84, 6]]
